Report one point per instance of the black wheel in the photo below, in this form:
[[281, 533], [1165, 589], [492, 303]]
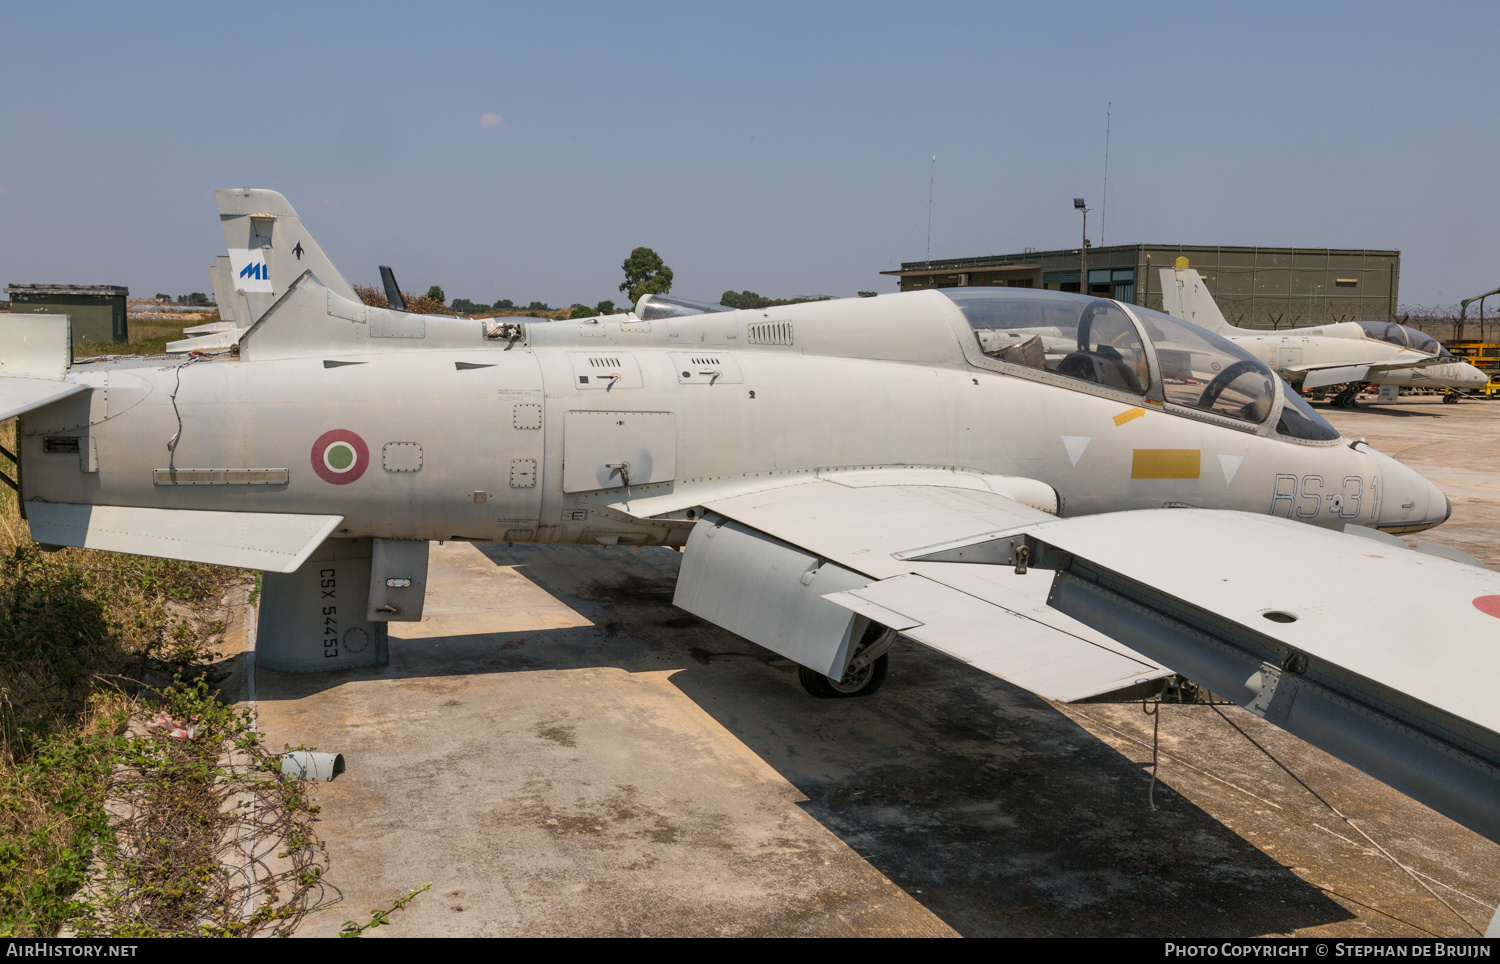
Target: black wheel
[[1450, 399], [863, 683]]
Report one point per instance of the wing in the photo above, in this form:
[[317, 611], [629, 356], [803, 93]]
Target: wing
[[274, 542], [762, 572], [35, 352], [1339, 373], [1380, 655]]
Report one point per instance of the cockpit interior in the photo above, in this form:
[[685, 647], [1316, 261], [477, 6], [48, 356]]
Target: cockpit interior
[[1105, 342]]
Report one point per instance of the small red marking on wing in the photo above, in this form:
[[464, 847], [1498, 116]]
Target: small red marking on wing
[[1489, 605]]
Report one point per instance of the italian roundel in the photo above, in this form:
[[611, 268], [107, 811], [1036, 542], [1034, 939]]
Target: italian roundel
[[340, 456]]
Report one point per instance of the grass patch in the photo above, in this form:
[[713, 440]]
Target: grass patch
[[148, 336], [77, 627]]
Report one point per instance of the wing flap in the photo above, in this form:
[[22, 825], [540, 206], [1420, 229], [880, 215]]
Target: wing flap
[[1041, 658], [861, 525], [981, 614], [274, 542]]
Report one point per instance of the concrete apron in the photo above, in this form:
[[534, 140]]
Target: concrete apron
[[555, 793]]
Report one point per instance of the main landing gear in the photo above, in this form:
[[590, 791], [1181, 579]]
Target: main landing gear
[[1451, 398], [1345, 398], [865, 674]]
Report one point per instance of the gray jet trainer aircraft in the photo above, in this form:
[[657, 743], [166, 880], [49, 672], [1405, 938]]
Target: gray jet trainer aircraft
[[1351, 353], [1153, 501]]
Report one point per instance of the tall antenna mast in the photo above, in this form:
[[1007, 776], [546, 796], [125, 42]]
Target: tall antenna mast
[[930, 175], [1104, 212]]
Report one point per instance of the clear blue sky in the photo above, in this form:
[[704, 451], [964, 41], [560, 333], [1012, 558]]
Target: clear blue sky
[[783, 148]]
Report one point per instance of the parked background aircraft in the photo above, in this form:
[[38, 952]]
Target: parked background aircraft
[[1078, 495], [1350, 354]]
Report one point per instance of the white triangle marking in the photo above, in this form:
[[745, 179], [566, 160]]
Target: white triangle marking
[[1075, 444], [1230, 464]]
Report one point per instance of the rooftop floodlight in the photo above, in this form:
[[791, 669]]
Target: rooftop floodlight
[[1083, 250]]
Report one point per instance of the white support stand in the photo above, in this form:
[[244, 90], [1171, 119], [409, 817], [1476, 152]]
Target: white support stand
[[314, 619]]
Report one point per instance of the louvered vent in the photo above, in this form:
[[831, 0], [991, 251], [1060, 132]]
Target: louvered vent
[[603, 362], [705, 360], [771, 333]]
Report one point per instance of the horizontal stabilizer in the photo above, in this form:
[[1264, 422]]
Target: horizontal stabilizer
[[211, 341], [210, 328], [18, 395], [274, 542]]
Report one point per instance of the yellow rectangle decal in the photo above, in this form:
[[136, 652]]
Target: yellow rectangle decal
[[1129, 414], [1165, 464]]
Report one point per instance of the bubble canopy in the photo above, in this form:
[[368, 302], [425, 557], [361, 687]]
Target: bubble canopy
[[1095, 340], [1389, 331]]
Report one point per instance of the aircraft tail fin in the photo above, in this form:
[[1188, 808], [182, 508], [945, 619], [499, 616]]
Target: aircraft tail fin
[[1183, 295], [269, 249]]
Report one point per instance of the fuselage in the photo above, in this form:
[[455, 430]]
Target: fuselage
[[1290, 353], [560, 432]]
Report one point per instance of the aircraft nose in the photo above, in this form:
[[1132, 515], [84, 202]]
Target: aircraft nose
[[1436, 498], [1473, 376], [1410, 502]]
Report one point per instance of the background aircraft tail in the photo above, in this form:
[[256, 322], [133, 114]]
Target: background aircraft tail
[[1184, 296], [268, 250]]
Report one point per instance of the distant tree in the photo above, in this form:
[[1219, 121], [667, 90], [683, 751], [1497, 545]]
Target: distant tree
[[436, 294], [182, 299], [582, 311], [749, 299], [503, 304], [867, 294], [538, 306], [162, 297], [605, 307], [197, 298], [645, 274], [466, 307], [416, 304], [743, 299]]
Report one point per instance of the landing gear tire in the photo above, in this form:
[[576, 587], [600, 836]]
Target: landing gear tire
[[1345, 398], [864, 682], [1451, 398]]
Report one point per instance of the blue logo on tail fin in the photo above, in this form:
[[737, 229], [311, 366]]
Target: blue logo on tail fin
[[257, 271]]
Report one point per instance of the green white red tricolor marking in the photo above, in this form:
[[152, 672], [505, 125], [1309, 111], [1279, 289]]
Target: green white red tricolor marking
[[340, 456]]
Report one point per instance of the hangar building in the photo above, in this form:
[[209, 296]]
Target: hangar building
[[1254, 287], [98, 310]]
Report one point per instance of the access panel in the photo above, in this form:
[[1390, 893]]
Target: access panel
[[610, 450]]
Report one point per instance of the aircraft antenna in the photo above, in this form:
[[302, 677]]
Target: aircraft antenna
[[930, 175], [1104, 207]]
